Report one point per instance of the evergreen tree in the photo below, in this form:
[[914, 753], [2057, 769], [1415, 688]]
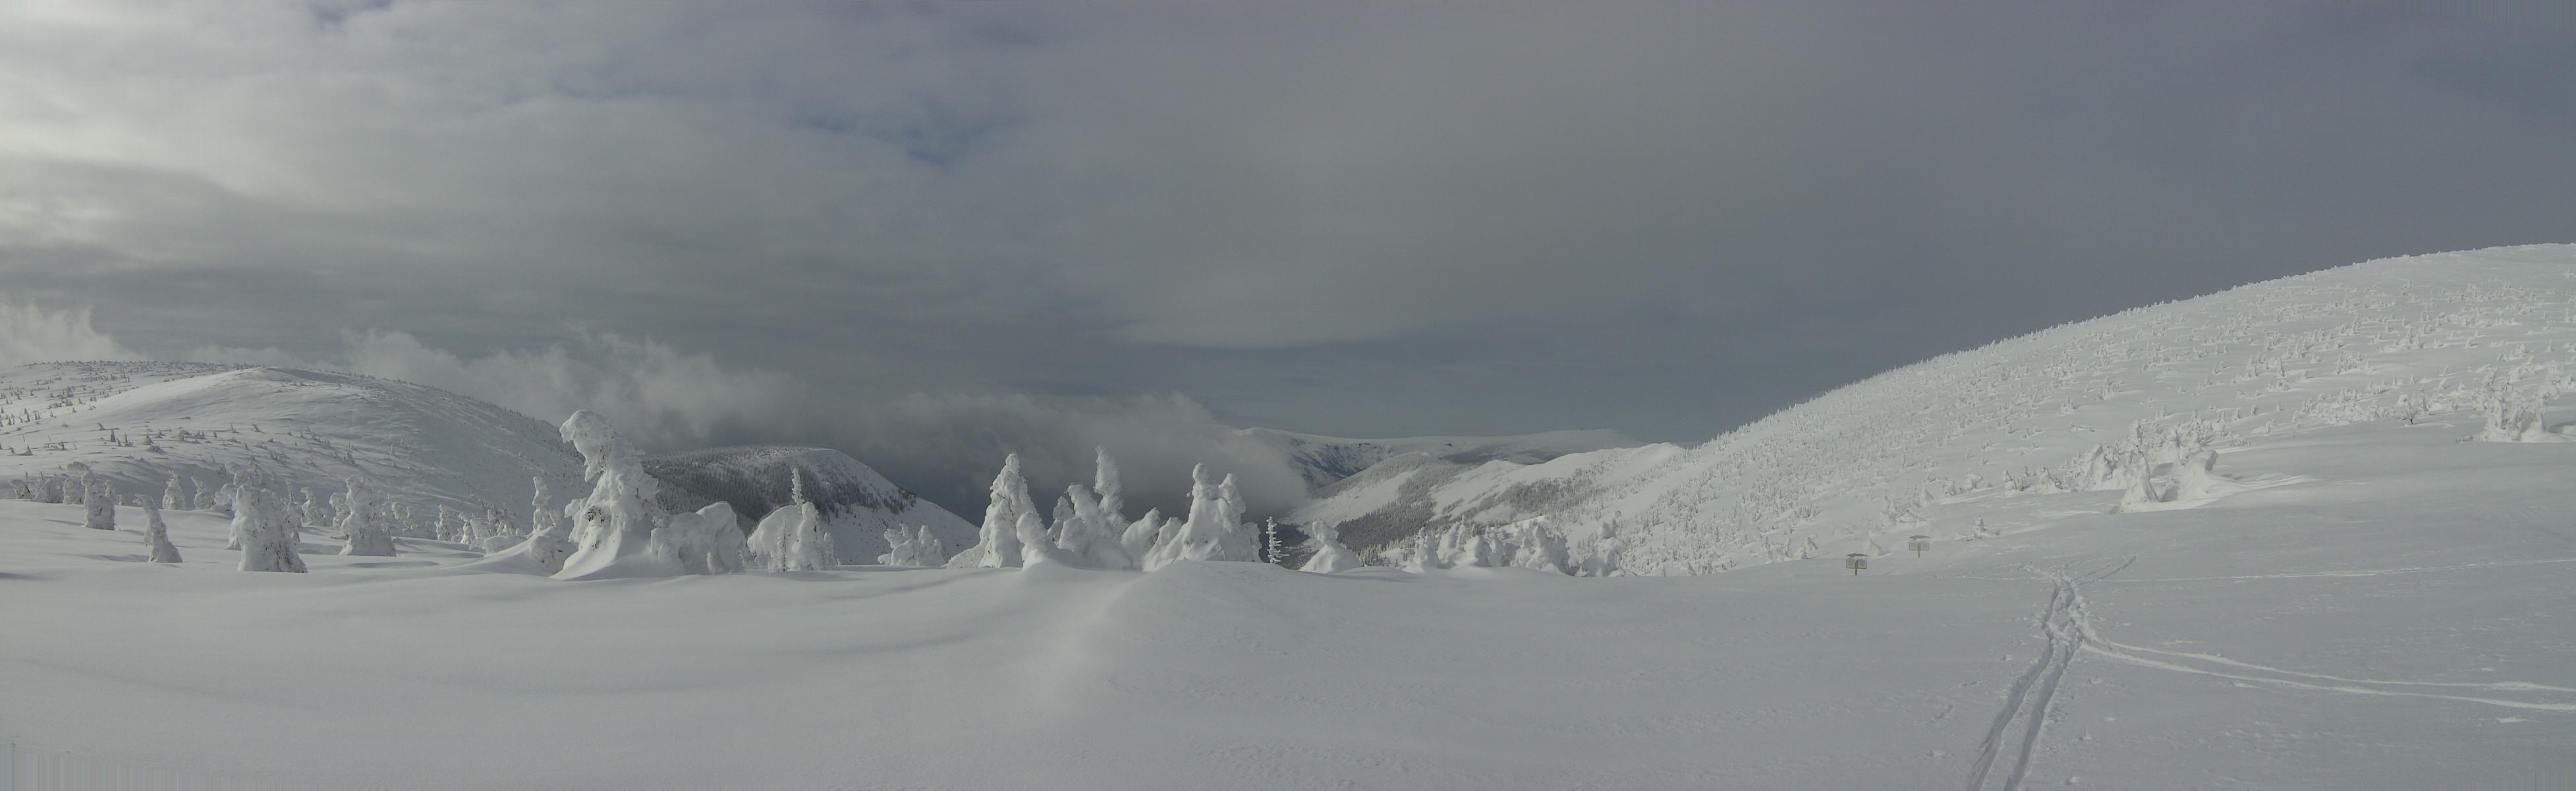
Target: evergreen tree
[[157, 535]]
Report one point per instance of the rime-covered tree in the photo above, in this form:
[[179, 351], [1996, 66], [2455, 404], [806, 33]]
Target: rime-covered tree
[[916, 547], [1330, 556], [98, 498], [1090, 533], [549, 534], [156, 535], [997, 544], [1215, 529], [365, 521], [317, 508], [1144, 534], [794, 538], [1112, 492], [174, 495], [263, 523], [614, 534]]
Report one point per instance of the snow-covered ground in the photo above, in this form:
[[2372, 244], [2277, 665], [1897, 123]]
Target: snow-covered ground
[[2397, 610]]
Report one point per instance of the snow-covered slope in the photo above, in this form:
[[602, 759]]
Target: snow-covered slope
[[2395, 613], [1325, 460], [2078, 407], [314, 429], [857, 503]]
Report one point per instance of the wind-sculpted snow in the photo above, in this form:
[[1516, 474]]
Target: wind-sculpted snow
[[2093, 405], [139, 423]]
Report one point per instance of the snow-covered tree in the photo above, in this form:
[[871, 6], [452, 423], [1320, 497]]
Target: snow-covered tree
[[917, 547], [203, 496], [317, 508], [157, 535], [708, 541], [997, 544], [365, 521], [98, 498], [549, 533], [1546, 551], [614, 534], [1215, 529], [2512, 415], [1090, 533], [1426, 553], [1035, 549], [1330, 556], [174, 495], [263, 524], [448, 527], [794, 538], [1143, 535], [1112, 503]]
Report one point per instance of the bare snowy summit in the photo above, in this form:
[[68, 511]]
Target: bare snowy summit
[[138, 423], [2084, 407]]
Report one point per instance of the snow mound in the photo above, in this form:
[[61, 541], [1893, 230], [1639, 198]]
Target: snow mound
[[857, 504], [2459, 339]]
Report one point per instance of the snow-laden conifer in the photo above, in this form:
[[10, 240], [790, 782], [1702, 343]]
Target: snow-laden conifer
[[317, 508], [549, 533], [1035, 548], [1091, 533], [1143, 535], [365, 521], [1112, 502], [1215, 529], [913, 547], [1330, 556], [264, 524], [156, 535], [173, 494], [614, 534], [794, 538], [997, 544], [98, 498], [708, 541]]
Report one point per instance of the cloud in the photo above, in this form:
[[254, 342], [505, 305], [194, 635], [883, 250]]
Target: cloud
[[945, 447], [1338, 218], [31, 333]]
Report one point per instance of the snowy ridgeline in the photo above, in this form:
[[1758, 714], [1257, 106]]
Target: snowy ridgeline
[[2144, 402], [446, 466]]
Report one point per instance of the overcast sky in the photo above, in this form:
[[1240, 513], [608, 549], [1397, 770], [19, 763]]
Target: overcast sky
[[921, 233]]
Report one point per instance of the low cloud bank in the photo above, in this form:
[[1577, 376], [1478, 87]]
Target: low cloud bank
[[944, 447]]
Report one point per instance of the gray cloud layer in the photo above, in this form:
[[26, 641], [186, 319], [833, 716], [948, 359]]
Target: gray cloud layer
[[1359, 220]]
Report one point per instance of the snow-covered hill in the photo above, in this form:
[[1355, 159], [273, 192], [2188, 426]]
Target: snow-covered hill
[[313, 429], [857, 503], [1323, 461], [2086, 406]]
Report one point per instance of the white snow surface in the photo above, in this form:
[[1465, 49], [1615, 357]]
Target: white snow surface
[[2399, 617], [314, 429], [1856, 469]]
